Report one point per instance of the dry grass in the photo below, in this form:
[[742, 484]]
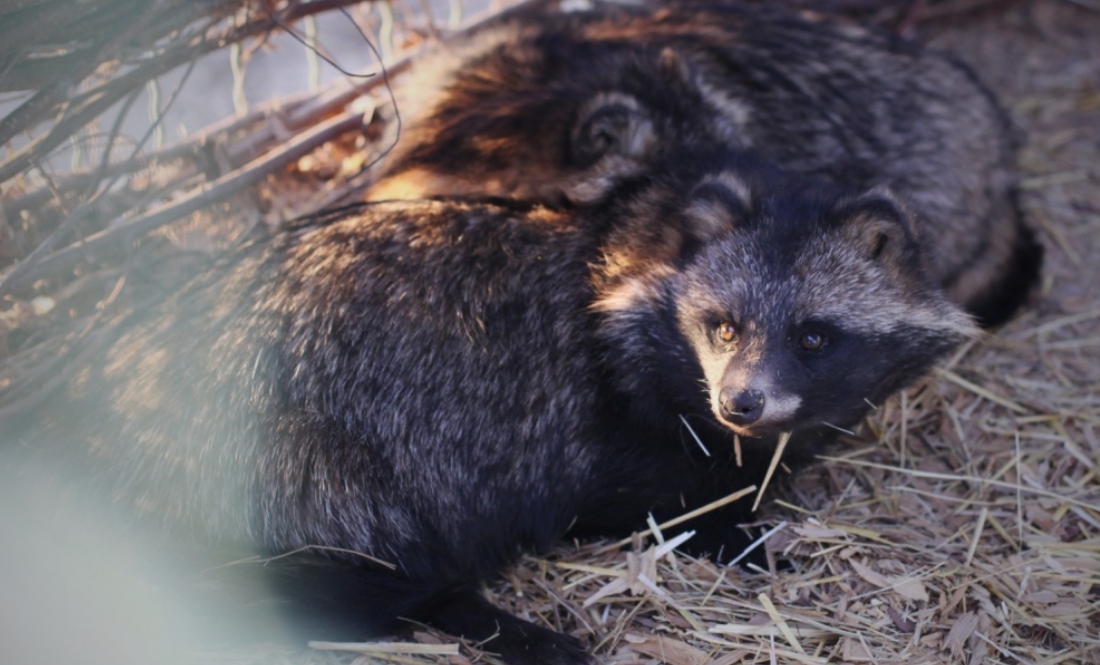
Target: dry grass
[[962, 524], [959, 530]]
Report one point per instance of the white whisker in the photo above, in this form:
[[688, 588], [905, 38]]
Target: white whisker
[[694, 435], [839, 429]]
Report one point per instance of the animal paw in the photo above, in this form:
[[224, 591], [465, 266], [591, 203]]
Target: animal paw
[[517, 642]]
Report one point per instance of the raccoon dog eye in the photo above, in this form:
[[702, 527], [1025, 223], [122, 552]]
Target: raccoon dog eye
[[813, 341], [727, 332]]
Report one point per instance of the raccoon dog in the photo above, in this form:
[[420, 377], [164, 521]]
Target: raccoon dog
[[439, 385], [561, 108]]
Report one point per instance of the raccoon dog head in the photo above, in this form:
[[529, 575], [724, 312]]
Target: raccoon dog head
[[796, 303], [551, 114]]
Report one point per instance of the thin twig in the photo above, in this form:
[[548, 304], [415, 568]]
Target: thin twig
[[84, 210], [30, 112], [713, 505], [94, 102], [100, 244]]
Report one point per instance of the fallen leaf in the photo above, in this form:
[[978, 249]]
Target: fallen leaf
[[668, 650], [961, 630], [906, 587]]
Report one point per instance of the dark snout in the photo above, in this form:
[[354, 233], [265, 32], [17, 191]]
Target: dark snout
[[741, 407]]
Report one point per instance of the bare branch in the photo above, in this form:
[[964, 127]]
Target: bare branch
[[118, 238]]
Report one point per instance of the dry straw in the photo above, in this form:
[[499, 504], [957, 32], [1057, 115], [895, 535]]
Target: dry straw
[[961, 524]]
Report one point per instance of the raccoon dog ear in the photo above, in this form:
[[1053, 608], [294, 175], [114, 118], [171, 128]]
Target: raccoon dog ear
[[674, 66], [880, 226], [719, 203], [611, 123]]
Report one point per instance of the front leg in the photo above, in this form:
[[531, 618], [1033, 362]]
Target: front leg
[[338, 600]]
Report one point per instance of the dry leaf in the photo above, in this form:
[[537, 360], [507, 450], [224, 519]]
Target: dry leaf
[[667, 650], [960, 632], [853, 651], [906, 587], [870, 575], [910, 588]]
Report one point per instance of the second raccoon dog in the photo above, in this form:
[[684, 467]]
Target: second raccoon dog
[[562, 108], [441, 385]]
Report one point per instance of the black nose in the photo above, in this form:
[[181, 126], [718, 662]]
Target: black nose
[[741, 407]]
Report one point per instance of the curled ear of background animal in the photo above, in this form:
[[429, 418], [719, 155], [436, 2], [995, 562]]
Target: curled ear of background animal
[[674, 66], [717, 204], [611, 124], [881, 225]]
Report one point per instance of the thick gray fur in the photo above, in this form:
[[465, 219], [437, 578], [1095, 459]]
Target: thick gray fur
[[561, 109], [442, 385]]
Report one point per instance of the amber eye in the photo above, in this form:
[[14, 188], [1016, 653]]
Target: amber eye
[[812, 341], [727, 332]]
